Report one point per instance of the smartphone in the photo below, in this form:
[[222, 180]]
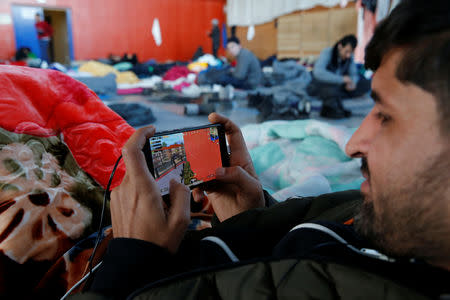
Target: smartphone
[[190, 155]]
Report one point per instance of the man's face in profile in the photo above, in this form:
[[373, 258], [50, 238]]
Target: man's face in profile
[[345, 52], [406, 165]]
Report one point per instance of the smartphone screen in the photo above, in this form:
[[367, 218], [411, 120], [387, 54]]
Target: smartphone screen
[[190, 157]]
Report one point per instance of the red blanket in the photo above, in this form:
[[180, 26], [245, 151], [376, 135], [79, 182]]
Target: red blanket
[[58, 145]]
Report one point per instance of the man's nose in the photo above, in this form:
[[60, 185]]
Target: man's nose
[[359, 143]]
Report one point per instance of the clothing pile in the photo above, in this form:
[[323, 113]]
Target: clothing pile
[[284, 97], [98, 69]]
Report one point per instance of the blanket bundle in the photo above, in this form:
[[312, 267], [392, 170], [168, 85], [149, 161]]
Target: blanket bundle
[[58, 147], [302, 157]]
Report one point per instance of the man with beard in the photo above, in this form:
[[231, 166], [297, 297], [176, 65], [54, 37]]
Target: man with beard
[[392, 244]]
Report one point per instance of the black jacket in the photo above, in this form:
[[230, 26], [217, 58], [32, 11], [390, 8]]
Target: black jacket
[[273, 260]]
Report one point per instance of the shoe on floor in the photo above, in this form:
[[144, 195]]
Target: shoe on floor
[[334, 113], [340, 106], [347, 113]]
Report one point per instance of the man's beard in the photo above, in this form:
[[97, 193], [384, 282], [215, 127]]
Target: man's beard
[[412, 220]]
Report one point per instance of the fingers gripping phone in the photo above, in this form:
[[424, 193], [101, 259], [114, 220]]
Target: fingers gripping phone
[[190, 155]]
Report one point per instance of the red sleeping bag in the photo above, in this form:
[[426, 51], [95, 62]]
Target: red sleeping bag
[[58, 146]]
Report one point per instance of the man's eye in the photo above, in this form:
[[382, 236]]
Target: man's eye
[[383, 117]]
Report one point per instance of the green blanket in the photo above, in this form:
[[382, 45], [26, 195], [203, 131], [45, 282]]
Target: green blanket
[[302, 158]]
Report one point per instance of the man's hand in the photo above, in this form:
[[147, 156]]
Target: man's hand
[[347, 79], [237, 187], [137, 208], [349, 84]]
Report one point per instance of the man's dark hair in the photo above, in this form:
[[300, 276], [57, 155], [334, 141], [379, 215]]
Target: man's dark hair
[[233, 39], [422, 29], [346, 40]]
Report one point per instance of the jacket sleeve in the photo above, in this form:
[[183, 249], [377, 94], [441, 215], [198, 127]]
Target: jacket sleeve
[[268, 199], [353, 72], [254, 233], [242, 67], [268, 202], [128, 265], [320, 69]]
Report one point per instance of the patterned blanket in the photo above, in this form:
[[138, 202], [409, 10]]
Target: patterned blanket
[[58, 145]]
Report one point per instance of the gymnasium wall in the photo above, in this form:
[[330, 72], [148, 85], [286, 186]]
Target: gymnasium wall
[[102, 27]]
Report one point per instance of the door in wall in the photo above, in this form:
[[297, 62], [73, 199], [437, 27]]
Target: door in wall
[[61, 46], [61, 41], [24, 31]]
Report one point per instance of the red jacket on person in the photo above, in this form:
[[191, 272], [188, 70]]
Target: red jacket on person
[[44, 30]]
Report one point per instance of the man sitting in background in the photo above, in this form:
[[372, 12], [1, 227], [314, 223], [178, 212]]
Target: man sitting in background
[[247, 74], [335, 77]]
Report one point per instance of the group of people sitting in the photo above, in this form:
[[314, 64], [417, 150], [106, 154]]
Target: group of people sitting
[[335, 75]]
